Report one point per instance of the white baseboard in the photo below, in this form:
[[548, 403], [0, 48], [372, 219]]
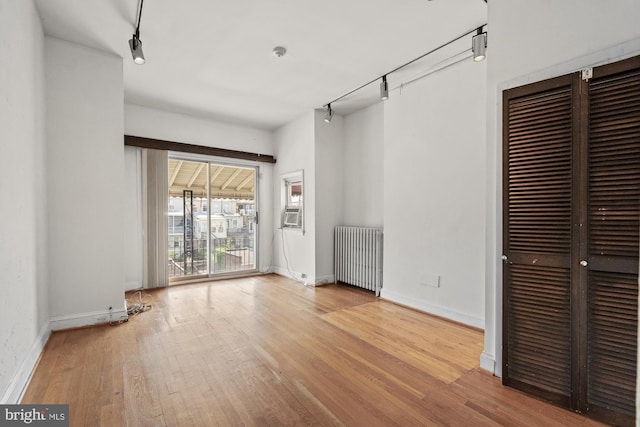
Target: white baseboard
[[297, 276], [284, 272], [488, 362], [88, 319], [324, 280], [432, 309], [18, 385], [308, 281]]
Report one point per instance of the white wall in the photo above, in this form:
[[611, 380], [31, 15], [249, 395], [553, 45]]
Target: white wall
[[23, 265], [169, 126], [329, 165], [164, 125], [294, 147], [363, 182], [434, 193], [532, 41], [85, 170]]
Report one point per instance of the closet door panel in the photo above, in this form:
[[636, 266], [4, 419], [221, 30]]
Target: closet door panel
[[612, 330], [613, 238], [537, 238]]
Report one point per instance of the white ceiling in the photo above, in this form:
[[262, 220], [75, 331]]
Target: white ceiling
[[213, 58]]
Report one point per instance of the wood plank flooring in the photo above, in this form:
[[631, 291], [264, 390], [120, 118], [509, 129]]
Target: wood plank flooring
[[267, 351]]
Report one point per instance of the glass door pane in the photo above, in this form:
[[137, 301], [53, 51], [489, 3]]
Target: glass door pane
[[187, 218], [233, 218]]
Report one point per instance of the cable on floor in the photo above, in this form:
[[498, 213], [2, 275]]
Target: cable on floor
[[134, 308]]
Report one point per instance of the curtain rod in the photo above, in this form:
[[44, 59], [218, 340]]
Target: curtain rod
[[159, 144]]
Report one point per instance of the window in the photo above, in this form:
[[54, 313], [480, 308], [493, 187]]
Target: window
[[294, 193], [292, 200]]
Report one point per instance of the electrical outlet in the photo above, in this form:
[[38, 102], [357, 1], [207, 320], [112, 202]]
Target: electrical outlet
[[430, 280]]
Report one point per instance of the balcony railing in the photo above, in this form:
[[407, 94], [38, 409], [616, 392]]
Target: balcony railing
[[227, 254]]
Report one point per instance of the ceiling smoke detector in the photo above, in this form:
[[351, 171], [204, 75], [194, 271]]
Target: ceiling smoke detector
[[279, 51]]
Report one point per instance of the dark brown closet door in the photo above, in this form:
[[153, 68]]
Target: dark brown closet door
[[538, 122], [571, 237], [613, 236]]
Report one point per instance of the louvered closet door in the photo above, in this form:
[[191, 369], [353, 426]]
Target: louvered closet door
[[538, 155], [571, 237], [613, 213]]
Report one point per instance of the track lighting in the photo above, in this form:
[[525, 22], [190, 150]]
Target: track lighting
[[384, 89], [135, 44], [329, 115], [479, 45], [136, 50]]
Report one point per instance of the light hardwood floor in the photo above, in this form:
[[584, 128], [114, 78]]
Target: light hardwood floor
[[268, 351]]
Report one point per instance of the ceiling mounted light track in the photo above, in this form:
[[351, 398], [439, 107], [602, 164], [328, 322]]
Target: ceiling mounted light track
[[480, 39], [135, 44]]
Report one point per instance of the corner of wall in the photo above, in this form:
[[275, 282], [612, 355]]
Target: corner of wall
[[20, 381], [294, 147], [488, 363], [77, 75], [24, 282]]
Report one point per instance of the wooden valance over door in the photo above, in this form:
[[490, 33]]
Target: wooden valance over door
[[571, 236]]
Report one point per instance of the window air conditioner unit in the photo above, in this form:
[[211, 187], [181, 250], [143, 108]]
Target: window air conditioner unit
[[293, 216]]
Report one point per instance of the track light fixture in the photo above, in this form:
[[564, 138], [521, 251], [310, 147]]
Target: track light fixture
[[136, 50], [329, 115], [479, 45], [384, 89], [135, 44]]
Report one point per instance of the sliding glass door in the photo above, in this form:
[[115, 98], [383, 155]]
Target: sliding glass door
[[212, 219], [233, 219]]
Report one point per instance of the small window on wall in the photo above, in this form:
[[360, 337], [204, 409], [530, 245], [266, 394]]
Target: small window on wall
[[292, 200]]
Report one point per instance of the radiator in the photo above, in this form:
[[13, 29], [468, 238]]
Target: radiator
[[358, 257]]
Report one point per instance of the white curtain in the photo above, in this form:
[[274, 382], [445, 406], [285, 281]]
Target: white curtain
[[155, 196], [133, 222]]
